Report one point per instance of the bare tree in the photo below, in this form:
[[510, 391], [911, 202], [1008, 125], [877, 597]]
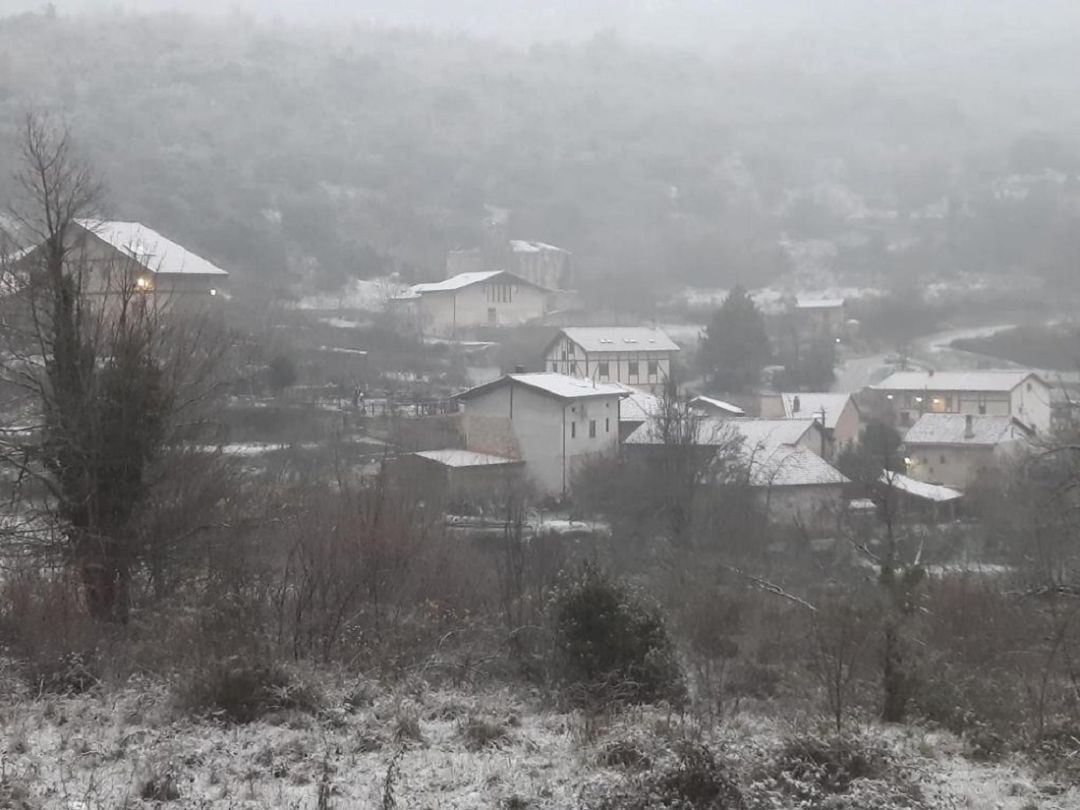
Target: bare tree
[[108, 376]]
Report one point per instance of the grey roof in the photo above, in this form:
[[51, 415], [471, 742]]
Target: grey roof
[[792, 466], [463, 280], [525, 246], [620, 339], [756, 434], [561, 386], [819, 303], [920, 489], [465, 458], [150, 249], [952, 429], [997, 380], [718, 405], [638, 406], [811, 405]]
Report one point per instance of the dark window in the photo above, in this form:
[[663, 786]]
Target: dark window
[[573, 368], [592, 428], [573, 430], [607, 425], [943, 461], [492, 317], [654, 368], [554, 365], [631, 368], [602, 368], [982, 409]]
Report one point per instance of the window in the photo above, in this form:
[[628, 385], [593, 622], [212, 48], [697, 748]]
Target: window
[[982, 409], [607, 425], [592, 428], [573, 368], [573, 430], [492, 317], [654, 368], [602, 369], [942, 460], [564, 354], [554, 365], [631, 368]]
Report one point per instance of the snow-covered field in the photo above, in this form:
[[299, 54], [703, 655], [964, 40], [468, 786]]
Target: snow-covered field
[[412, 746]]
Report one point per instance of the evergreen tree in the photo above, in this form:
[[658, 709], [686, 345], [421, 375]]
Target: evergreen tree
[[735, 346]]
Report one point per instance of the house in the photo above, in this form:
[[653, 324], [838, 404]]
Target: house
[[1021, 394], [820, 317], [130, 255], [461, 475], [951, 449], [542, 264], [636, 355], [469, 300], [790, 481], [916, 499], [711, 406], [553, 423], [838, 414]]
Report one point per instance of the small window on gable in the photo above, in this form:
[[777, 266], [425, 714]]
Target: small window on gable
[[592, 428], [573, 430], [607, 425]]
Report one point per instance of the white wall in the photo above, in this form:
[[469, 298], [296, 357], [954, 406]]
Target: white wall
[[552, 434], [484, 304], [1030, 402], [815, 507], [955, 467], [566, 357]]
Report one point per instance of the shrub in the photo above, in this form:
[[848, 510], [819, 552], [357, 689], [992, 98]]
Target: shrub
[[66, 674], [238, 690], [479, 733], [689, 778], [611, 644]]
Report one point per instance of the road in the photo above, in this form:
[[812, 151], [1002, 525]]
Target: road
[[933, 351]]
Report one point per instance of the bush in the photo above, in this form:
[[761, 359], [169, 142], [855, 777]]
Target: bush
[[689, 778], [479, 733], [239, 691], [611, 645]]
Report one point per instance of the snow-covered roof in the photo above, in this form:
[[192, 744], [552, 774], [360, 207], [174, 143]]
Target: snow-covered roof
[[919, 489], [792, 466], [812, 404], [620, 338], [463, 280], [150, 249], [711, 431], [819, 303], [952, 429], [718, 405], [561, 386], [770, 433], [465, 458], [525, 246], [638, 405], [997, 380]]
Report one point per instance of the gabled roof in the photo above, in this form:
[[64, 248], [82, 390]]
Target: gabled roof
[[718, 405], [952, 429], [619, 339], [149, 248], [792, 466], [465, 458], [919, 489], [770, 433], [463, 280], [811, 405], [638, 406], [997, 380], [560, 386]]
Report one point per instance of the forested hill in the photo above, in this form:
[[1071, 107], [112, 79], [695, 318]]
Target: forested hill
[[356, 149]]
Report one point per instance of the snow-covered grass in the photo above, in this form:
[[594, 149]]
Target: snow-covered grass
[[438, 748]]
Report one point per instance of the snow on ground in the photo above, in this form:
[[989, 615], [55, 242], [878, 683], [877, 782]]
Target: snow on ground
[[434, 749]]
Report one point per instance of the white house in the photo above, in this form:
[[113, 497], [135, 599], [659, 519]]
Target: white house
[[636, 355], [837, 413], [1021, 394], [119, 256], [552, 422], [951, 449], [712, 406], [468, 300]]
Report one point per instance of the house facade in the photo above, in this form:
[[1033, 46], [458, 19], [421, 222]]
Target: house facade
[[542, 264], [952, 450], [633, 355], [1021, 394], [469, 300], [553, 423], [820, 318]]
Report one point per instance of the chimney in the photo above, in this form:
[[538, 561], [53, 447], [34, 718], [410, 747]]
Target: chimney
[[519, 369], [796, 404], [969, 427]]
